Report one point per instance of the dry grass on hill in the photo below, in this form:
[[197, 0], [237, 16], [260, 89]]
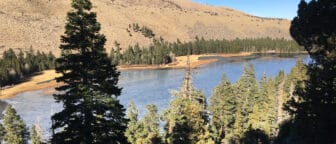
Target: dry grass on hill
[[39, 23]]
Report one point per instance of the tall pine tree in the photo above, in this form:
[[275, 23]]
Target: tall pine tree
[[134, 127], [92, 113], [264, 108], [186, 118], [246, 92], [150, 123], [36, 135], [223, 106]]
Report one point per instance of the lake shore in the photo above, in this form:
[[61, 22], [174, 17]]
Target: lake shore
[[43, 80], [46, 79], [181, 62]]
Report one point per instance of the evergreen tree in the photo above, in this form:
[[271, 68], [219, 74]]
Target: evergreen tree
[[294, 79], [312, 111], [186, 118], [35, 135], [184, 121], [271, 107], [263, 116], [51, 60], [206, 137], [298, 72], [92, 113], [134, 127], [246, 91], [150, 132], [21, 60], [223, 107], [29, 60], [15, 128], [2, 132], [280, 81], [116, 56]]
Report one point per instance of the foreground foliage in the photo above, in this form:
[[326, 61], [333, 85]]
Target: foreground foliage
[[312, 107]]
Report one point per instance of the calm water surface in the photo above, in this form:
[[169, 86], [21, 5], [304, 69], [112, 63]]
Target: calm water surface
[[154, 86]]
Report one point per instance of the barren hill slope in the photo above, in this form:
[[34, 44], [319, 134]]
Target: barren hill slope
[[39, 23]]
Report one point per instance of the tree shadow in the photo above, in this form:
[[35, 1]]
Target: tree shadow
[[254, 136]]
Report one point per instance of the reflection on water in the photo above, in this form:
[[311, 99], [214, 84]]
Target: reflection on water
[[154, 86]]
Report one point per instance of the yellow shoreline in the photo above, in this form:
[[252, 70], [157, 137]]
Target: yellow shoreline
[[46, 78], [38, 82], [181, 62]]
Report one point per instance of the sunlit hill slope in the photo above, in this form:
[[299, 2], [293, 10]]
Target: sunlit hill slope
[[39, 23]]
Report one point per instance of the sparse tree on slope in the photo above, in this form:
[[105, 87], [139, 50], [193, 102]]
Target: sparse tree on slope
[[92, 113]]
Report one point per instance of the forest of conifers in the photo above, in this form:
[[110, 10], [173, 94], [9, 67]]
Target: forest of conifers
[[189, 119], [163, 52], [238, 112], [15, 67], [247, 112]]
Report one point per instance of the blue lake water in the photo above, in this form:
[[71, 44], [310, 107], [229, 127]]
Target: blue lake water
[[154, 86]]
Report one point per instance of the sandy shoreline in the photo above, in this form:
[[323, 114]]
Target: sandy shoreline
[[46, 78], [38, 82], [181, 62]]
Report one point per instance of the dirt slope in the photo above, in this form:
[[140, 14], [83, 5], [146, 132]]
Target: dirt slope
[[39, 23]]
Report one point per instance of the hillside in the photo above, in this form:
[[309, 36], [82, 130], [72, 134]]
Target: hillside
[[39, 23]]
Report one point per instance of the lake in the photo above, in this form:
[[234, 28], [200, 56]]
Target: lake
[[154, 86]]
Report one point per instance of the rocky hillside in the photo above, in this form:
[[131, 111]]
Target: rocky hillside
[[39, 23]]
